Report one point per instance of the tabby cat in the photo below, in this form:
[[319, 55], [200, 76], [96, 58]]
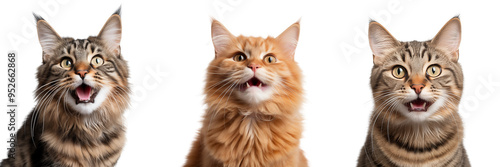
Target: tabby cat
[[416, 87], [81, 95], [253, 93]]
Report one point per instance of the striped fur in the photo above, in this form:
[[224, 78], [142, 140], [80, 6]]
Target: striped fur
[[399, 135], [58, 132], [241, 128]]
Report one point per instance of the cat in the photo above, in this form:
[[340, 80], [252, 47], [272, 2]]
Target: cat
[[416, 88], [253, 93], [81, 95]]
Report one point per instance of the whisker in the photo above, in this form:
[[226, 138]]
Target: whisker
[[209, 109]]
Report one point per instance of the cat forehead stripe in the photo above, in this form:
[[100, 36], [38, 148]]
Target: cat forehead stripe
[[81, 44]]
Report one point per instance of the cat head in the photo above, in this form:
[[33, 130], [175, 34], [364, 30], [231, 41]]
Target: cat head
[[82, 75], [421, 80], [251, 71]]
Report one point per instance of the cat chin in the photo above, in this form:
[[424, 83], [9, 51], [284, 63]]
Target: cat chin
[[423, 116], [255, 95], [88, 108]]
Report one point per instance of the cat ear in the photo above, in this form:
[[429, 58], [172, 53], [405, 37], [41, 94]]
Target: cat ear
[[111, 33], [48, 37], [382, 42], [221, 37], [288, 39], [448, 38]]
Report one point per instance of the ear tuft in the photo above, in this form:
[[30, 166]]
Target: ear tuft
[[118, 11], [111, 33], [289, 38], [47, 36], [221, 37], [448, 38], [382, 42], [38, 17]]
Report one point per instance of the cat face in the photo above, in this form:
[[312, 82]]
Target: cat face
[[83, 74], [252, 68], [420, 80]]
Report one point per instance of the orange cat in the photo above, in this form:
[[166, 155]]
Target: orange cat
[[253, 92]]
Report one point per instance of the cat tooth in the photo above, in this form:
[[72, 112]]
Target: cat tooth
[[248, 85], [411, 105], [260, 85], [425, 104]]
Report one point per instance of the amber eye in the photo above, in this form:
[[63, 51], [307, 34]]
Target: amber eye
[[239, 57], [66, 63], [434, 70], [399, 72], [270, 59], [97, 61]]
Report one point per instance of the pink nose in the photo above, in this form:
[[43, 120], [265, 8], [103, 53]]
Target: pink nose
[[418, 88], [254, 67], [82, 73]]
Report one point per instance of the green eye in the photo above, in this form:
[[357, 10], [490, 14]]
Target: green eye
[[399, 72], [239, 57], [66, 63], [270, 59], [97, 61], [434, 70]]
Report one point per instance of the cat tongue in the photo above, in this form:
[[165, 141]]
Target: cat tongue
[[83, 92], [418, 105]]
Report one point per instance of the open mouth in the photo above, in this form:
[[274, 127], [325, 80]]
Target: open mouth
[[418, 105], [84, 94], [253, 82]]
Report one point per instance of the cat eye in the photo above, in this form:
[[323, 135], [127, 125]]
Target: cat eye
[[434, 70], [270, 59], [239, 57], [399, 72], [66, 63], [97, 61]]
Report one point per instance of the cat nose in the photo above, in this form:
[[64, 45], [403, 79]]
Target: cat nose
[[417, 88], [254, 67], [82, 73]]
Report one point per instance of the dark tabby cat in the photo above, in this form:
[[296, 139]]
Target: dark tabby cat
[[416, 87], [81, 95]]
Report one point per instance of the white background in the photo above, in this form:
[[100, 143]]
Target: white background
[[173, 37]]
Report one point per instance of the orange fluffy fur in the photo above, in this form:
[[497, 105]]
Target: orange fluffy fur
[[238, 133]]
